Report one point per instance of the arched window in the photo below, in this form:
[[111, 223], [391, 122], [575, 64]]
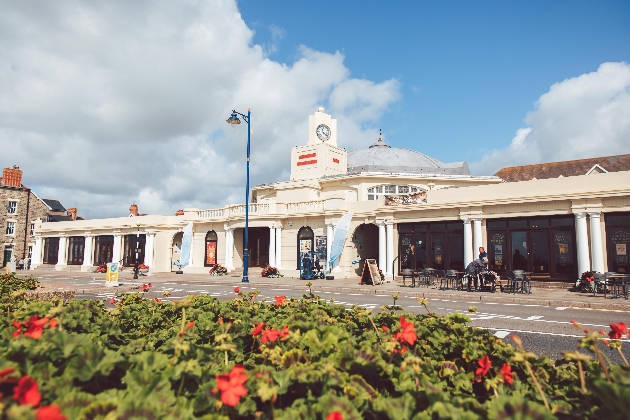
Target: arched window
[[211, 249], [305, 239]]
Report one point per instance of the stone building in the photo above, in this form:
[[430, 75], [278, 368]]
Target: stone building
[[21, 210], [555, 220]]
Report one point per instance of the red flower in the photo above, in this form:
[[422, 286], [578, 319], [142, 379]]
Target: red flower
[[236, 290], [403, 350], [112, 300], [384, 328], [145, 288], [158, 300], [270, 335], [256, 331], [18, 331], [53, 323], [35, 327], [6, 372], [407, 332], [616, 332], [26, 392], [51, 412], [280, 300], [484, 365], [508, 375], [285, 331], [231, 386], [254, 296], [150, 284], [190, 325], [334, 415]]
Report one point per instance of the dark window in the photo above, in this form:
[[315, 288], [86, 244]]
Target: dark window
[[103, 249], [455, 226], [437, 226], [423, 227], [538, 223], [130, 243], [76, 245], [51, 250], [517, 223], [562, 221], [496, 224], [405, 228], [617, 219], [305, 240]]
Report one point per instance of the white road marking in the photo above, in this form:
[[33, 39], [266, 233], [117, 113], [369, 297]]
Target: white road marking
[[539, 332], [501, 333], [561, 308]]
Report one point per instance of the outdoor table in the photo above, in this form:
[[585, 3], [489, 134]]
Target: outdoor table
[[514, 283], [619, 280]]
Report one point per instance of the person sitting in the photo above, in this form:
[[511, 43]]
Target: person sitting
[[20, 264], [472, 271]]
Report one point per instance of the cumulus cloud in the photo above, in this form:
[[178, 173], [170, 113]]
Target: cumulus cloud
[[582, 117], [108, 102]]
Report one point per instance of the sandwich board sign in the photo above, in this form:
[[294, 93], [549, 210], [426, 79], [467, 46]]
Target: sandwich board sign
[[111, 276], [370, 273]]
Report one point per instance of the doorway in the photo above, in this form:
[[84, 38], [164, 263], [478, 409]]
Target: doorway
[[258, 247], [51, 250], [8, 251], [365, 240]]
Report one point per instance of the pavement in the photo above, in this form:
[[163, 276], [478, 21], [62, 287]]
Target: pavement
[[542, 320]]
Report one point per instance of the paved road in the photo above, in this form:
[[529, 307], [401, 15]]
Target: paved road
[[543, 329]]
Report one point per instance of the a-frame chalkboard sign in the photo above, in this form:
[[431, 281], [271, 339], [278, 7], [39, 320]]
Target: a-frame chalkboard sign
[[370, 274]]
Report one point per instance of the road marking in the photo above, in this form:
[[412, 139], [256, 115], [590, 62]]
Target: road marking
[[561, 308], [355, 294], [501, 333], [531, 305], [538, 332], [510, 304], [279, 290], [490, 303], [376, 295]]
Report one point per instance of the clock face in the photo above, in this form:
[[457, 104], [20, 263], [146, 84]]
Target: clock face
[[323, 132]]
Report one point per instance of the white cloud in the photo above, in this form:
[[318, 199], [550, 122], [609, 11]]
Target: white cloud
[[581, 117], [108, 102]]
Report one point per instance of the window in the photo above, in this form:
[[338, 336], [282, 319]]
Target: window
[[30, 252], [12, 207], [32, 229], [373, 192], [211, 249], [10, 228]]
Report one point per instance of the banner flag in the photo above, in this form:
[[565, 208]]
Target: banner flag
[[184, 260], [339, 239]]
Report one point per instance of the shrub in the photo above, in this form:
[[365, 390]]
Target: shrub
[[10, 283]]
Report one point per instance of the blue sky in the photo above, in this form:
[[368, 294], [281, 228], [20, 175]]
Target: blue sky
[[469, 71]]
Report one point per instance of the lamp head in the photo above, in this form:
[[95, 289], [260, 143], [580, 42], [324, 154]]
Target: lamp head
[[233, 120]]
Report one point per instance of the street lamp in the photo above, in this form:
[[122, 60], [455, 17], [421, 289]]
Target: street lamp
[[234, 121], [137, 252]]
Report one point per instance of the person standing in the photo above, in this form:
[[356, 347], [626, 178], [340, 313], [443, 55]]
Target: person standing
[[482, 253]]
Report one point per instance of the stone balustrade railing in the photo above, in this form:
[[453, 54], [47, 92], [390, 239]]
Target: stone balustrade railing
[[262, 208]]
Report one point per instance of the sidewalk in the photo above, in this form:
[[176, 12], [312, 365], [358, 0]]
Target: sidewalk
[[59, 280]]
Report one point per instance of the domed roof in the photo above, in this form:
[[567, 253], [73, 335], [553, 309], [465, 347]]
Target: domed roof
[[381, 157]]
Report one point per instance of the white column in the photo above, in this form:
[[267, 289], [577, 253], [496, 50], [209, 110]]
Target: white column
[[272, 246], [382, 246], [389, 252], [330, 237], [279, 248], [477, 238], [584, 263], [191, 262], [117, 248], [468, 243], [148, 250], [229, 247], [87, 253], [597, 252], [37, 253], [61, 255]]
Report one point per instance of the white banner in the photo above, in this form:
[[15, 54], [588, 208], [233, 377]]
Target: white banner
[[184, 260], [339, 240]]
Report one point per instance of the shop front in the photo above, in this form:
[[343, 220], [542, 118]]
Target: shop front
[[129, 257], [618, 241], [542, 246], [438, 245]]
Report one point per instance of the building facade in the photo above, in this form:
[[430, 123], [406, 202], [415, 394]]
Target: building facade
[[409, 211]]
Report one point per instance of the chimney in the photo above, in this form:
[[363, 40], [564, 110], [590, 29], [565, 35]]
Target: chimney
[[133, 209], [12, 177], [179, 213], [72, 212]]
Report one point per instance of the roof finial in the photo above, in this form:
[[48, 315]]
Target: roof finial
[[380, 134]]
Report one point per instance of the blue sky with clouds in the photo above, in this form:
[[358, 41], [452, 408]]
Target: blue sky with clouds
[[108, 102], [469, 71]]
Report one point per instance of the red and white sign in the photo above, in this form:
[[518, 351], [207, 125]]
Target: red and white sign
[[302, 159]]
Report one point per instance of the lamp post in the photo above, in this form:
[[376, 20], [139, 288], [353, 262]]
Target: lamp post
[[234, 121], [137, 253]]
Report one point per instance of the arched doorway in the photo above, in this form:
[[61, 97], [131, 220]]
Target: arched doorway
[[211, 249], [365, 240], [305, 242], [177, 250]]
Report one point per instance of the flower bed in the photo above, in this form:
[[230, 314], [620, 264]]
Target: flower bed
[[270, 272], [585, 282], [218, 270], [286, 359]]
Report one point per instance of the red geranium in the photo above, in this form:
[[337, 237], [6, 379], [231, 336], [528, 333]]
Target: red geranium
[[256, 331], [236, 290], [26, 392], [407, 332], [270, 335], [18, 329], [6, 372], [150, 284], [231, 386], [384, 328], [53, 323], [51, 412], [484, 365], [158, 300], [112, 300], [508, 375], [285, 331], [190, 325], [145, 288], [280, 300], [35, 327], [334, 415], [617, 330]]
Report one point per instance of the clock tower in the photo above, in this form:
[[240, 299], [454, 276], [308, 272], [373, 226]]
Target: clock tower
[[320, 156]]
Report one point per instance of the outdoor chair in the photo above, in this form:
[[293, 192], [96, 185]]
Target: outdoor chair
[[599, 283], [439, 276], [408, 272], [451, 277], [427, 276], [619, 284], [518, 281]]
